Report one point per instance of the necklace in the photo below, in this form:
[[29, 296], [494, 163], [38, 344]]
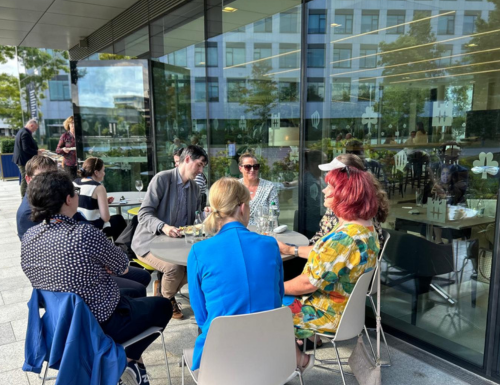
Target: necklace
[[253, 189]]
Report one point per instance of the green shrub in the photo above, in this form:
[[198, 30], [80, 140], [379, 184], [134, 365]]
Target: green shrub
[[53, 142], [7, 146]]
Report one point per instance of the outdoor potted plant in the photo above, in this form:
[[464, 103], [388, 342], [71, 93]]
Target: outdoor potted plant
[[8, 170]]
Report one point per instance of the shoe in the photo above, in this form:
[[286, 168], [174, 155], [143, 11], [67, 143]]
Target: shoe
[[144, 376], [176, 307], [134, 375], [131, 375], [156, 288], [309, 365]]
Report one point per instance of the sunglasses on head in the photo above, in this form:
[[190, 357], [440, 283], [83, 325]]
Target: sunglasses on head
[[248, 167]]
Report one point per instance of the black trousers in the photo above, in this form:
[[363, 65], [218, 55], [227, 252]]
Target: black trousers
[[134, 315], [134, 284], [118, 224]]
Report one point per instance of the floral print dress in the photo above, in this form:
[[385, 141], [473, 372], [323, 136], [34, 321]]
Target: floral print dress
[[334, 266]]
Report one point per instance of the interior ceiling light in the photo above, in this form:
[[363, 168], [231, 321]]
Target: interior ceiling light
[[393, 26], [471, 45], [265, 58], [335, 25], [229, 9], [417, 46], [416, 62], [428, 70], [445, 76]]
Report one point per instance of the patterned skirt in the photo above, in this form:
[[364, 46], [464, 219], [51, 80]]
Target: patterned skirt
[[307, 320]]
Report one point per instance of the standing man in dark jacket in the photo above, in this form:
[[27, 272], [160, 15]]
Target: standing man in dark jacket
[[25, 148]]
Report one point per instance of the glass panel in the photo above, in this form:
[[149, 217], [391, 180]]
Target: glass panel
[[133, 46], [180, 87], [111, 106], [423, 111], [258, 108]]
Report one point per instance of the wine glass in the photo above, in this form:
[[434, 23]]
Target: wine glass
[[139, 186]]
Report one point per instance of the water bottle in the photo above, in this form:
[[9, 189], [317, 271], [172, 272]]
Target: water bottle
[[273, 217], [198, 226], [480, 209]]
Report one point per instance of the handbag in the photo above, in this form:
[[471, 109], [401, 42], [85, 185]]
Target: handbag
[[363, 366]]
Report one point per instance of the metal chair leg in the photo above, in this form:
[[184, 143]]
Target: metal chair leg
[[340, 362], [383, 336], [45, 373], [166, 359], [182, 363], [300, 379], [386, 348], [370, 342]]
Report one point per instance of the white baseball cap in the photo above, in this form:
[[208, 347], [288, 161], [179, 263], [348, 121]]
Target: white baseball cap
[[333, 165]]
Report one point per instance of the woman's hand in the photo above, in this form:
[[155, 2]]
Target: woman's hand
[[171, 231], [66, 150], [111, 200], [286, 249]]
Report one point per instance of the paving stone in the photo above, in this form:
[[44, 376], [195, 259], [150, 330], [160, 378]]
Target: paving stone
[[11, 283], [34, 378], [13, 312], [14, 377], [13, 271], [22, 294], [11, 261], [11, 356], [19, 327], [6, 334]]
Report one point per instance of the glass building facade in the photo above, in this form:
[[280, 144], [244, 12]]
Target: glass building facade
[[411, 87]]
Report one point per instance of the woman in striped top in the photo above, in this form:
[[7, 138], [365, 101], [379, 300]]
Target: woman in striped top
[[93, 200]]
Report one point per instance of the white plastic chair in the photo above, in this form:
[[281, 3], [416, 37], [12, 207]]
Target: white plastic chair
[[371, 293], [144, 334], [249, 349], [352, 321]]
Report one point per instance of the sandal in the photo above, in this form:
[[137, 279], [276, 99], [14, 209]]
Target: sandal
[[309, 365]]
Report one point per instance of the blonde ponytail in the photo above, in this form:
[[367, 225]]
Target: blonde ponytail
[[226, 195]]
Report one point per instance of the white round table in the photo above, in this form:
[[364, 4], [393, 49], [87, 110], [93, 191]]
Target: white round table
[[131, 199], [176, 250]]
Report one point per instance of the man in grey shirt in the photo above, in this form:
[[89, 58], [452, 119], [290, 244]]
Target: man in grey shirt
[[171, 201]]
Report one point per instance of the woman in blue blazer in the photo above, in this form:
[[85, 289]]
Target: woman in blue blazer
[[236, 271]]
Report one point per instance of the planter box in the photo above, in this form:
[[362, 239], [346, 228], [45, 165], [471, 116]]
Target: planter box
[[8, 170]]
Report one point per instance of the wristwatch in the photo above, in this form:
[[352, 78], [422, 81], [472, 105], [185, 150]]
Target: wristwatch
[[296, 251]]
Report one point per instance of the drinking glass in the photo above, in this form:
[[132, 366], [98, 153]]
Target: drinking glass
[[419, 196], [139, 186], [189, 235]]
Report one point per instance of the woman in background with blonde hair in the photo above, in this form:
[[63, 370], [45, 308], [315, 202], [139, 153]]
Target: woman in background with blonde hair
[[67, 148], [236, 271]]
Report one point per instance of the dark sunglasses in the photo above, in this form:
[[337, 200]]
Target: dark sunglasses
[[248, 167]]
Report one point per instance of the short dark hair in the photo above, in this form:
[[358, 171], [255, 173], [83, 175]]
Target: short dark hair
[[40, 162], [47, 193], [178, 152], [194, 152]]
